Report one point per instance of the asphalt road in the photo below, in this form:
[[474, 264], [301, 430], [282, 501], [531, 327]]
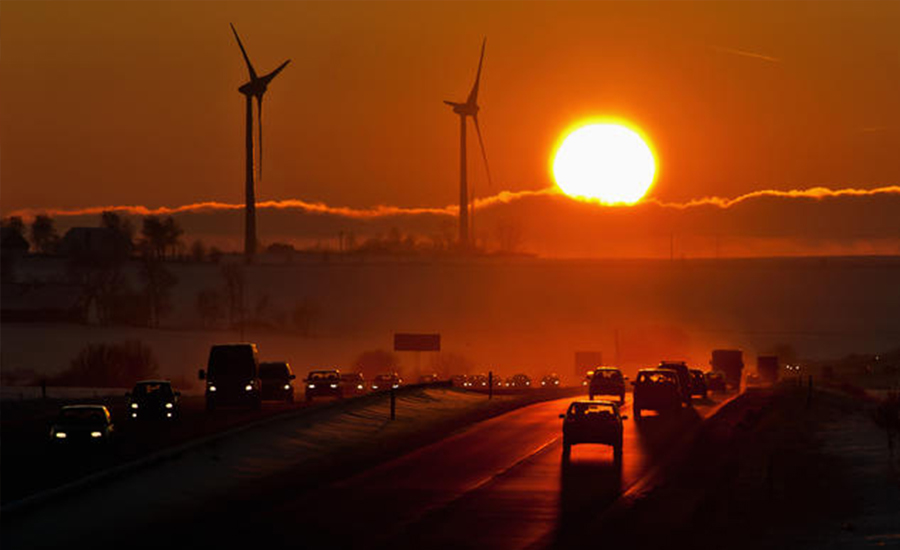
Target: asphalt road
[[501, 484]]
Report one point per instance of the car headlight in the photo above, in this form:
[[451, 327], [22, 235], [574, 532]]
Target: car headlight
[[543, 383], [169, 405], [312, 386], [212, 388], [333, 386], [133, 415], [359, 387], [395, 386], [168, 415], [95, 435], [249, 387], [556, 382], [60, 435], [134, 405], [287, 386], [374, 387]]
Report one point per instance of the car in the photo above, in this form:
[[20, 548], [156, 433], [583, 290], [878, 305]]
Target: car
[[698, 383], [82, 425], [277, 381], [478, 382], [715, 381], [607, 381], [430, 378], [752, 379], [232, 376], [324, 383], [684, 377], [353, 383], [460, 380], [593, 422], [386, 381], [586, 381], [519, 381], [153, 400], [550, 381], [657, 390]]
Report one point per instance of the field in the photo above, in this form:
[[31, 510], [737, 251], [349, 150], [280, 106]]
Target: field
[[510, 314]]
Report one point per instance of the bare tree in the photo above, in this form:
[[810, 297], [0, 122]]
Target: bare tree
[[43, 234], [198, 251], [158, 283]]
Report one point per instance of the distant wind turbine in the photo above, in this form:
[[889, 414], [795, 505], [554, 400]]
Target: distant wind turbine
[[255, 88], [468, 109]]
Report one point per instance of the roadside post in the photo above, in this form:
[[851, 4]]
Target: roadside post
[[490, 384], [393, 404]]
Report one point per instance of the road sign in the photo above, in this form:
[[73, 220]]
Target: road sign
[[417, 342]]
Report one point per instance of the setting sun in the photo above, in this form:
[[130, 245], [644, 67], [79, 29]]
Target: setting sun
[[605, 162]]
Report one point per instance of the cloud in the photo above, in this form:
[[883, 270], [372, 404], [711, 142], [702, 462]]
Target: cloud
[[745, 53], [817, 220]]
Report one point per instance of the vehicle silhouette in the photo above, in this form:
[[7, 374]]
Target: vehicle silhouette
[[232, 376], [277, 381], [593, 422], [657, 390], [153, 400], [324, 383], [607, 381], [82, 425]]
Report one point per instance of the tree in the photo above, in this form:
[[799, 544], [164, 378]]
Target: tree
[[161, 235], [198, 251], [43, 234], [122, 226]]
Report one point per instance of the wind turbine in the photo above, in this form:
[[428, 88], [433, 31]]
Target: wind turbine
[[468, 109], [255, 88]]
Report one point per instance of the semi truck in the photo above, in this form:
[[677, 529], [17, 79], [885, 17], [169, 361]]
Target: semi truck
[[730, 362]]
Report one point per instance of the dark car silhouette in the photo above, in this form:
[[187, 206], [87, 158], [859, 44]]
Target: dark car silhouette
[[715, 381], [386, 381], [324, 383], [593, 422], [519, 382], [232, 376], [550, 381], [698, 383], [353, 383], [277, 381], [153, 400], [82, 425], [684, 377], [657, 390], [607, 381]]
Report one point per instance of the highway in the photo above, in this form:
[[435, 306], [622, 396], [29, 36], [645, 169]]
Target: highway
[[499, 484]]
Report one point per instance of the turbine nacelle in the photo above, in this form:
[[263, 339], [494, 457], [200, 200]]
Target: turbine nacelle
[[464, 109]]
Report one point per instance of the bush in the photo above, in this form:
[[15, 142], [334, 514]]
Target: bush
[[109, 365]]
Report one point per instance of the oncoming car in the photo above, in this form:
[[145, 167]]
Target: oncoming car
[[324, 383], [353, 383], [386, 381], [657, 390], [519, 382], [82, 424], [607, 381], [153, 400], [232, 376], [277, 381], [550, 381], [698, 383], [593, 422], [715, 381]]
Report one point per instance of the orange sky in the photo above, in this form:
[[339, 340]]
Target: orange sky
[[136, 102]]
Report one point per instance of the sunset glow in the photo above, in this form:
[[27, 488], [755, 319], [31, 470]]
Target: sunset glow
[[608, 163]]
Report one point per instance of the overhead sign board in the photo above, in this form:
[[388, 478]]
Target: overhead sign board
[[417, 342]]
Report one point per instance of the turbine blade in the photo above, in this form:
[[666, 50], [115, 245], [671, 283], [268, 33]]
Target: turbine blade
[[473, 95], [250, 68], [483, 153], [452, 103], [268, 78], [259, 126]]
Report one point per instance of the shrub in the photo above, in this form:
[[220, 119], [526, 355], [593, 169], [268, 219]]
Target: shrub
[[109, 365]]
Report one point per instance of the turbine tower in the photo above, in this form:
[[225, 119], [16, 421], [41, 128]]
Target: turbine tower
[[255, 88], [468, 109]]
